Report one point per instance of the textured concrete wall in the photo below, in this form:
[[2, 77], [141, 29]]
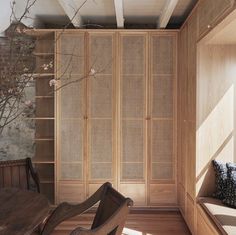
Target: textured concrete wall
[[17, 139]]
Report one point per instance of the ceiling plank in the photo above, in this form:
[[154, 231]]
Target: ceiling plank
[[119, 13], [71, 10], [166, 13]]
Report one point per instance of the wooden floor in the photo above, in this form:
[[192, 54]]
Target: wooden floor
[[155, 223]]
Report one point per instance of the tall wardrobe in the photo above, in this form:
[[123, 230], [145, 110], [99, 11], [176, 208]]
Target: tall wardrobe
[[115, 114]]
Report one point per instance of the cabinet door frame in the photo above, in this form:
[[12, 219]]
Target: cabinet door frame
[[139, 187], [163, 186]]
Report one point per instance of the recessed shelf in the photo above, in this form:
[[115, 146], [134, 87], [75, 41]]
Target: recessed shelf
[[43, 162], [43, 54], [44, 139], [38, 75], [40, 118], [44, 97]]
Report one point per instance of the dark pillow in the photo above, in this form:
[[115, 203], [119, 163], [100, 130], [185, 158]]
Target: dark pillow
[[221, 179], [230, 192]]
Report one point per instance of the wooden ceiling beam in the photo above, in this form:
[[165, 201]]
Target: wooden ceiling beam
[[71, 10], [119, 13], [166, 13]]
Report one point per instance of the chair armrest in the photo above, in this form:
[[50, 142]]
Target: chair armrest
[[65, 210], [33, 174], [118, 218]]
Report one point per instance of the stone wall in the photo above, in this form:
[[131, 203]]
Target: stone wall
[[17, 139]]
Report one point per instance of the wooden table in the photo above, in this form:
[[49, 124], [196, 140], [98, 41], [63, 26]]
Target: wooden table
[[21, 211]]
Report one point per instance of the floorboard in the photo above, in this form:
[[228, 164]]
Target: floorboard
[[158, 223]]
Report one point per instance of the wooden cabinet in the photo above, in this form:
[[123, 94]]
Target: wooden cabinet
[[71, 117], [210, 12], [118, 102], [187, 120], [162, 119], [133, 111], [198, 69], [86, 111], [101, 122]]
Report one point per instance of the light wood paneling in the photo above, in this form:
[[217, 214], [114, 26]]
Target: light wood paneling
[[182, 103], [191, 106], [136, 191], [162, 150], [204, 226], [71, 192], [182, 198], [190, 213], [163, 194], [210, 12], [205, 122]]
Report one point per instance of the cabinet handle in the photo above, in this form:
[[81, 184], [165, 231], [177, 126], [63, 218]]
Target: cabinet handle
[[148, 118]]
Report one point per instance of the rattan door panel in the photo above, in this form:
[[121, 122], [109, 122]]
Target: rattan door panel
[[133, 96], [71, 54], [100, 101], [101, 53], [162, 96], [100, 149], [72, 97], [133, 55], [162, 141], [71, 171], [69, 138], [162, 54]]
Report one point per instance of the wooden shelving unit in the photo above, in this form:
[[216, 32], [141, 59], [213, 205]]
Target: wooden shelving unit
[[44, 161]]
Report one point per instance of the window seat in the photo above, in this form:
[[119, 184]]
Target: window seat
[[222, 216]]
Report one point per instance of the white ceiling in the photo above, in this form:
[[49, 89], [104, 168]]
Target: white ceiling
[[101, 12]]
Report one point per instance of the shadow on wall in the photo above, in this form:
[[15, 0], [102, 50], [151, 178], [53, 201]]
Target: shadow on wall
[[215, 140], [216, 111]]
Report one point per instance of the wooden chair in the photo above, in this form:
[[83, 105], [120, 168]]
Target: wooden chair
[[110, 215], [19, 174]]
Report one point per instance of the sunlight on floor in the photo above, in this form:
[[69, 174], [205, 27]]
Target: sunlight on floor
[[128, 231]]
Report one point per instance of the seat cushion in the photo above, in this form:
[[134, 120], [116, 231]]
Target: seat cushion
[[224, 217]]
